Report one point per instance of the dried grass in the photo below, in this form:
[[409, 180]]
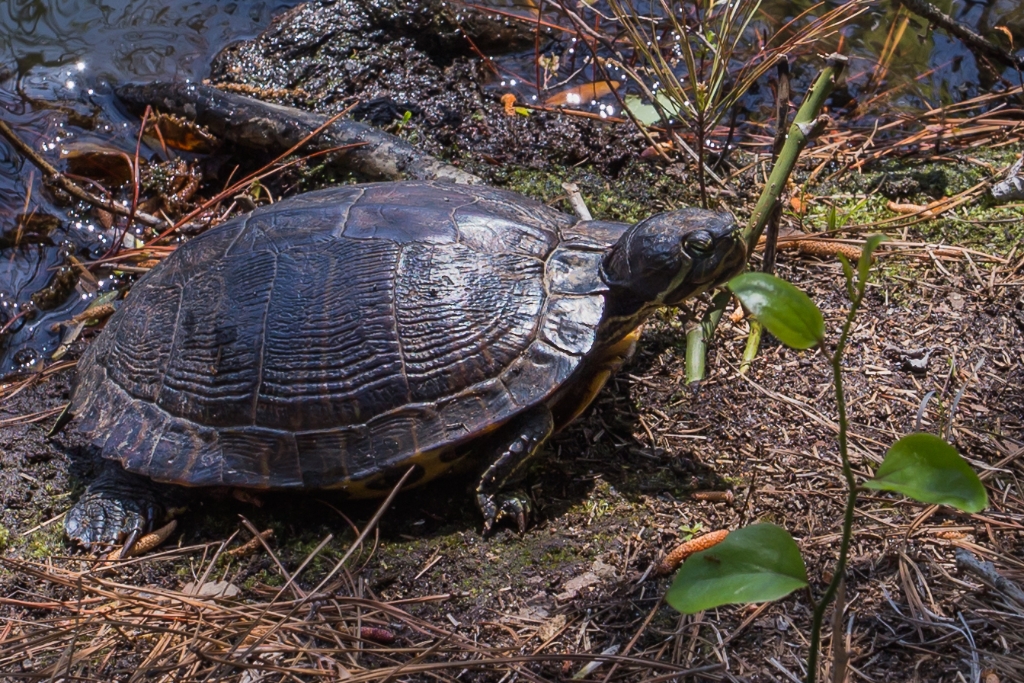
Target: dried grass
[[109, 630]]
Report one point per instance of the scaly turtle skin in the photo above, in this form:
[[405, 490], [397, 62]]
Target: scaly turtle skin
[[334, 340]]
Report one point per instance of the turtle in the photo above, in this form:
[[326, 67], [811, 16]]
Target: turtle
[[337, 339]]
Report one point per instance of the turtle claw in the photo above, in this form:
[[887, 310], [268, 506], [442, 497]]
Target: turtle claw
[[129, 542], [518, 443], [497, 508], [116, 507]]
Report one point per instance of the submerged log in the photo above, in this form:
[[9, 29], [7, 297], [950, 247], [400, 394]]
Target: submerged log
[[263, 126]]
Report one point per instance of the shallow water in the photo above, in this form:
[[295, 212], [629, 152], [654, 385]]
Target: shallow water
[[58, 59], [928, 68]]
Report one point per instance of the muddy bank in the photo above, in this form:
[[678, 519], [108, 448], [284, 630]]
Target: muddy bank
[[327, 56], [614, 491]]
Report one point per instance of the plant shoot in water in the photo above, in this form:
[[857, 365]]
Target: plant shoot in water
[[697, 59]]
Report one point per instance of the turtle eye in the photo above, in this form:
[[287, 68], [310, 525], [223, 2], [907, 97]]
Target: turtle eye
[[700, 241]]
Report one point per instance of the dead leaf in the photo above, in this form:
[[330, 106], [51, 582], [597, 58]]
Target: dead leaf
[[180, 133], [212, 589], [95, 161], [508, 100], [582, 94], [603, 570], [550, 628], [574, 586]]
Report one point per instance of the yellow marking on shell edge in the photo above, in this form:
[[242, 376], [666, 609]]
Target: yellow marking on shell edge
[[593, 389], [608, 363], [431, 462], [623, 349]]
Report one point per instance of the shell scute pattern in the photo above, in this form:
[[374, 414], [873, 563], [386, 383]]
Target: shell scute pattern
[[136, 348], [331, 356], [575, 271], [310, 218], [262, 458], [461, 318], [482, 231], [540, 366], [420, 318], [570, 322], [212, 368]]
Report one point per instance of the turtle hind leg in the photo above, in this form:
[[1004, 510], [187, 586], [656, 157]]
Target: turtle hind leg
[[516, 443], [117, 507]]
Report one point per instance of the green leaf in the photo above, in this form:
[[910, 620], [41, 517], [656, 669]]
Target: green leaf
[[647, 114], [641, 111], [864, 264], [832, 218], [926, 468], [755, 564], [787, 312]]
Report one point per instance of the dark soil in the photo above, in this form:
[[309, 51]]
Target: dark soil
[[328, 56], [611, 501], [612, 493]]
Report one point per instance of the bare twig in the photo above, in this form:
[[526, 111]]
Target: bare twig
[[964, 33], [986, 571], [52, 175]]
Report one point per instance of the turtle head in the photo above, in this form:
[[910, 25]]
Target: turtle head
[[671, 256]]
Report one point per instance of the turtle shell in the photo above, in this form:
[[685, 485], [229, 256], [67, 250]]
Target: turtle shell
[[330, 338]]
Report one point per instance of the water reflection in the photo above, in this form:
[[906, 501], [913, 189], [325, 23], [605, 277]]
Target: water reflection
[[58, 59], [56, 43]]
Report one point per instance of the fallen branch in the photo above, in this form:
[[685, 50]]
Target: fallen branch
[[1010, 189], [964, 33], [255, 124], [986, 571]]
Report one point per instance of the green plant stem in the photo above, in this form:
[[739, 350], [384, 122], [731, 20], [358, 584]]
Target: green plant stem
[[698, 336], [806, 125], [701, 154], [753, 344], [696, 348], [851, 498]]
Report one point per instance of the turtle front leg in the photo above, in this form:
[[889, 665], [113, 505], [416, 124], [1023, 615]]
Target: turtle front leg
[[518, 442], [116, 507]]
